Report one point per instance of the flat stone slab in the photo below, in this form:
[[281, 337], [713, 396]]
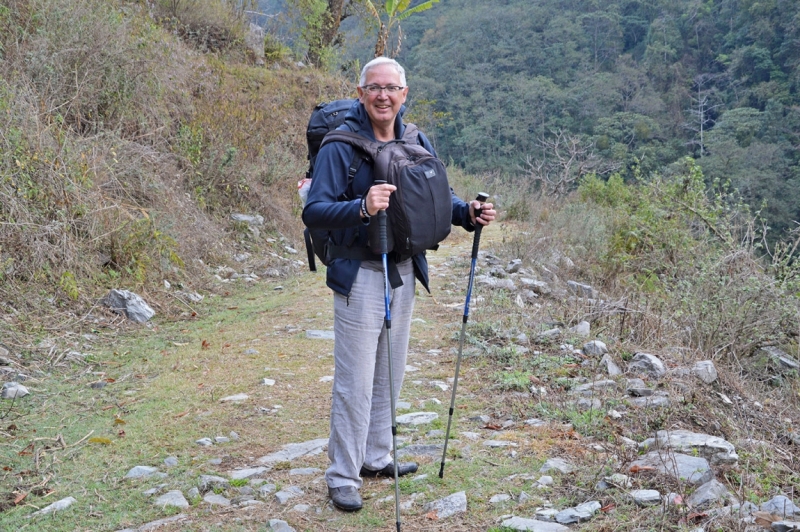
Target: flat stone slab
[[448, 506], [705, 371], [646, 497], [235, 398], [304, 471], [557, 464], [293, 451], [155, 525], [578, 514], [715, 449], [785, 526], [141, 471], [533, 525], [654, 401], [216, 500], [692, 469], [57, 506], [417, 418], [250, 472], [320, 335], [432, 450], [276, 525]]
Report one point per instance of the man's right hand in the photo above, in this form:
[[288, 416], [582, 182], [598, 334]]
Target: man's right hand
[[378, 198]]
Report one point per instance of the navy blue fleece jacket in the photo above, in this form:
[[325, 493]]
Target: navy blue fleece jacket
[[323, 210]]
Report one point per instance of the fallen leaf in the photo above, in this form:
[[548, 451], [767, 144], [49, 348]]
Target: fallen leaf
[[181, 414], [205, 344], [433, 516], [232, 308], [119, 421], [180, 344], [226, 345], [18, 499], [696, 516], [97, 439], [121, 433], [492, 426], [639, 469], [111, 380], [765, 519], [6, 468], [608, 507]]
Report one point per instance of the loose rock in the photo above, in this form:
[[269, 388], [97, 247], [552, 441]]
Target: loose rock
[[417, 418], [646, 497], [705, 371], [533, 525], [128, 304], [172, 498], [647, 364], [716, 450], [57, 506], [558, 464], [13, 390], [448, 506]]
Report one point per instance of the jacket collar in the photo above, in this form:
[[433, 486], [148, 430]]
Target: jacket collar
[[358, 114]]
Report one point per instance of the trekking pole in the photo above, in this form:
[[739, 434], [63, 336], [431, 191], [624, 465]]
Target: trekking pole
[[384, 243], [482, 197]]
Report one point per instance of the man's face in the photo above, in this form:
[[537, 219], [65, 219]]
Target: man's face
[[382, 107]]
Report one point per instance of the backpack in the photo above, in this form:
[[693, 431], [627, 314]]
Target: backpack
[[325, 118], [420, 211]]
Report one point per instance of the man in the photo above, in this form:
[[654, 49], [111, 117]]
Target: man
[[361, 438]]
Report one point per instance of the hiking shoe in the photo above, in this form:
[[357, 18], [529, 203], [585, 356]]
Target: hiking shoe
[[345, 498], [403, 468]]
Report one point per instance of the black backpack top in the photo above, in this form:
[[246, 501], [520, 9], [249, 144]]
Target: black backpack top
[[325, 118]]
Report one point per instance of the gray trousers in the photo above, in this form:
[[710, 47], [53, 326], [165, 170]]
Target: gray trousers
[[361, 419]]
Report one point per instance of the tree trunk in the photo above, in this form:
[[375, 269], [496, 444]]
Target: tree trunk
[[327, 33]]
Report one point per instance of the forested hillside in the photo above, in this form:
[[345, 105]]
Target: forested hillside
[[637, 83]]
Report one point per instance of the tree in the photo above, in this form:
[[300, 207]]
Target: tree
[[389, 16], [323, 18]]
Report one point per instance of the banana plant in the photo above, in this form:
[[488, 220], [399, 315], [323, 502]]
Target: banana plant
[[389, 15]]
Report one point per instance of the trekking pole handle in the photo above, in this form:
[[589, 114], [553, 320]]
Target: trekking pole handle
[[482, 197], [384, 241]]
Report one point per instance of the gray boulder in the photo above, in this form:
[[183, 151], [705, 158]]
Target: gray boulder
[[595, 348], [128, 304], [781, 506], [645, 363], [705, 371], [172, 498], [13, 390], [710, 493], [692, 469]]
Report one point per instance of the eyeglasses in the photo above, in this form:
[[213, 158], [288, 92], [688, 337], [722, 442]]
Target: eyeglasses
[[376, 89]]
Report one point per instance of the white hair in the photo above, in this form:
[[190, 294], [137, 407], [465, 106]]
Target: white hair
[[382, 61]]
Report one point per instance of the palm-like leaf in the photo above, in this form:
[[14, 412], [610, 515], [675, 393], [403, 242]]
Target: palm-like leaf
[[422, 7]]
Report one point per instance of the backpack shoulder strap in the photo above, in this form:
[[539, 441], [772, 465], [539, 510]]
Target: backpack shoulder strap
[[411, 133], [354, 139], [365, 149]]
